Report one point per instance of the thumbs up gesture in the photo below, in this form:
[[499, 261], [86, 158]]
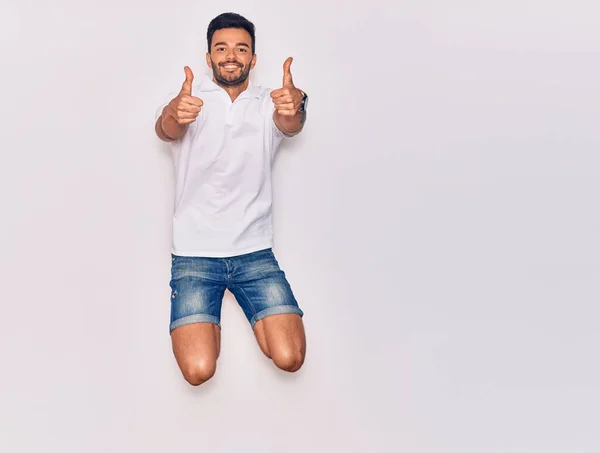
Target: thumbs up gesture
[[287, 99], [185, 108]]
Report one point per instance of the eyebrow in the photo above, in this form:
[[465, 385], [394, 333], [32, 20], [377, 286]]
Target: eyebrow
[[222, 43]]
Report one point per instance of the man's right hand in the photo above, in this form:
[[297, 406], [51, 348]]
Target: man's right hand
[[181, 111], [185, 108]]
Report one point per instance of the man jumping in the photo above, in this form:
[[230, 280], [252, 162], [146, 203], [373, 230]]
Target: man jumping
[[224, 133]]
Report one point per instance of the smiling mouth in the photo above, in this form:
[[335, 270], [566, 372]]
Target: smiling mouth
[[231, 66]]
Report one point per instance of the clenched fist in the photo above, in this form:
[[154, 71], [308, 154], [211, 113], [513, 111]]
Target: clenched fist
[[185, 108], [288, 98]]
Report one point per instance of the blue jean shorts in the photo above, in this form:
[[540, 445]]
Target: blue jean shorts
[[198, 285]]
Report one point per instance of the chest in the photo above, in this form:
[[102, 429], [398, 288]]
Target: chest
[[231, 137], [241, 120]]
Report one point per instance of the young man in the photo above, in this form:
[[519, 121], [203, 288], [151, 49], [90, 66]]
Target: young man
[[224, 133]]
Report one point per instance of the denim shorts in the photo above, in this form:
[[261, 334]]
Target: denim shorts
[[255, 279]]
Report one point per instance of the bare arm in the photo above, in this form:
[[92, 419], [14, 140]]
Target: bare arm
[[289, 125], [167, 128]]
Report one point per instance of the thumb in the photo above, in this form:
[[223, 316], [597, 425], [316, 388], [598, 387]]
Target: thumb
[[186, 88], [287, 74]]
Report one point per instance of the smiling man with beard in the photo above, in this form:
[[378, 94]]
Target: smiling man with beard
[[224, 133]]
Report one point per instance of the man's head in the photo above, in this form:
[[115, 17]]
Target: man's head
[[231, 48]]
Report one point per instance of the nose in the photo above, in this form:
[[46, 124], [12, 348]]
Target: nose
[[231, 59]]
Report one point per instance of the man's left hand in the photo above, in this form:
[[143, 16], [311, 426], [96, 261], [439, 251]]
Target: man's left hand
[[288, 98]]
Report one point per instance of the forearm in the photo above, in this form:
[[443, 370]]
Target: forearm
[[290, 125], [167, 128]]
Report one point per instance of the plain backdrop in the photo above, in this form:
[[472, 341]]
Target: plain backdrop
[[437, 219]]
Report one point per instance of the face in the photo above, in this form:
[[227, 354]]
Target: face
[[230, 56]]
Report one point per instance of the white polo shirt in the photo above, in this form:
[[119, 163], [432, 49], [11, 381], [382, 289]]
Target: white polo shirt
[[223, 173]]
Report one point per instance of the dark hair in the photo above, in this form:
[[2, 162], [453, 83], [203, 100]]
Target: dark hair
[[230, 20]]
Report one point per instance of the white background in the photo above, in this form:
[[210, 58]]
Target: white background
[[437, 218]]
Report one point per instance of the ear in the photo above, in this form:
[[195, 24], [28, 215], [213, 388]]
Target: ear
[[208, 60], [253, 62]]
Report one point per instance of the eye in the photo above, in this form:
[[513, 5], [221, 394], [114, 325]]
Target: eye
[[243, 49]]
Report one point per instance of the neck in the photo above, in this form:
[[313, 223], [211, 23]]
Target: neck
[[234, 91]]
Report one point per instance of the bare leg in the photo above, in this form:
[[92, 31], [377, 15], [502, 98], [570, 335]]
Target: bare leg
[[196, 348], [282, 339]]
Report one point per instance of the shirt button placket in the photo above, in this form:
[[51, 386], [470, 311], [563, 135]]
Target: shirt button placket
[[229, 117]]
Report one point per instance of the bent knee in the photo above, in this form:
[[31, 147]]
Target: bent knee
[[288, 360], [198, 372]]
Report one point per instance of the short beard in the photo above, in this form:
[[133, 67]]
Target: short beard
[[230, 83]]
